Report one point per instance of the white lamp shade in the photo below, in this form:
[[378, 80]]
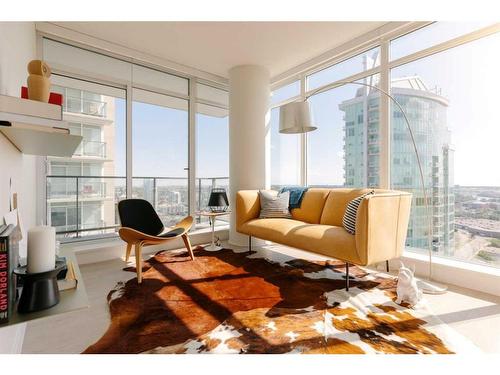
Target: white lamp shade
[[295, 118]]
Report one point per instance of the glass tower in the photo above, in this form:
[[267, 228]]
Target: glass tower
[[426, 110]]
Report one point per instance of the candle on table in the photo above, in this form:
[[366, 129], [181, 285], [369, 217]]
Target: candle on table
[[41, 249]]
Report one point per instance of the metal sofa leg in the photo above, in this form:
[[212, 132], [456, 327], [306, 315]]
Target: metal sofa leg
[[249, 244], [387, 266], [347, 276]]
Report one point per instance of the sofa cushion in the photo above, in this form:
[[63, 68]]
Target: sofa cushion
[[311, 206], [336, 203], [351, 212], [327, 240], [270, 229], [274, 204]]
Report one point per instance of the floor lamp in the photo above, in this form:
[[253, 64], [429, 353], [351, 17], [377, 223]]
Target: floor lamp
[[295, 118]]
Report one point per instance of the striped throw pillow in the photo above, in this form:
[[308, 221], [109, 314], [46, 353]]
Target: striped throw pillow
[[349, 219], [274, 205]]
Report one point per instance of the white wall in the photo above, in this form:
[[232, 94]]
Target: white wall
[[17, 48]]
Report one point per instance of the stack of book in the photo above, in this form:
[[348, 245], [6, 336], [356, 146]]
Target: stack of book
[[9, 260], [67, 278]]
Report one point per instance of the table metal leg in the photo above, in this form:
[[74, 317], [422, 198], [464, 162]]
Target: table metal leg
[[212, 246]]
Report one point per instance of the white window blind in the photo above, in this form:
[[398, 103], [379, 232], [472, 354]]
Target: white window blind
[[69, 59], [66, 58], [212, 94]]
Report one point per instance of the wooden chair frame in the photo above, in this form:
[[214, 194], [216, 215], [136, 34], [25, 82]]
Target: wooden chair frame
[[138, 239]]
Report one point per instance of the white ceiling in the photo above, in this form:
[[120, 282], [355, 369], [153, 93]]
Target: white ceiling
[[215, 47]]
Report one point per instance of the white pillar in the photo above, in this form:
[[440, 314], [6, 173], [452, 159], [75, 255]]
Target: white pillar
[[248, 126]]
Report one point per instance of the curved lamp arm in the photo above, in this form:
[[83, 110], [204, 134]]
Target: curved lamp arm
[[422, 179]]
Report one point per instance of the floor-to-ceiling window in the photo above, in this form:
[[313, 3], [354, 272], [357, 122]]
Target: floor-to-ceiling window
[[212, 145], [444, 77], [450, 98], [135, 122], [286, 156], [83, 190], [344, 150], [160, 153]]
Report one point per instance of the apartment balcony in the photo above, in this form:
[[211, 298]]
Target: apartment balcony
[[91, 148], [99, 196], [85, 106]]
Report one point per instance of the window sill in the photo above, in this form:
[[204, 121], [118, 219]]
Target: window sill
[[99, 250], [448, 271], [457, 264]]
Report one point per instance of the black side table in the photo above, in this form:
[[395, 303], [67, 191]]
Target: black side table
[[40, 290]]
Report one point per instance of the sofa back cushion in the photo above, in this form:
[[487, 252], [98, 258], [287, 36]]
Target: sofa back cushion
[[311, 206], [336, 203]]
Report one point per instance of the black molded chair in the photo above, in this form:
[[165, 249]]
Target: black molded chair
[[141, 226]]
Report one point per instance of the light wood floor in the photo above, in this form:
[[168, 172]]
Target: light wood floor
[[474, 315]]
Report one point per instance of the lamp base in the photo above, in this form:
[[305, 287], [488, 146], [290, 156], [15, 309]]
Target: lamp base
[[212, 247], [430, 287]]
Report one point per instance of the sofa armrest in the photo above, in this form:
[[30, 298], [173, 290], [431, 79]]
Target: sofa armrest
[[247, 206], [381, 226]]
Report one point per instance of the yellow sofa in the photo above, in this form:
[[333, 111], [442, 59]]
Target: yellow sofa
[[381, 224]]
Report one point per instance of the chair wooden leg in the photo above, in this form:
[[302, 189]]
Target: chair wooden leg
[[347, 276], [127, 253], [187, 243], [387, 266], [138, 261]]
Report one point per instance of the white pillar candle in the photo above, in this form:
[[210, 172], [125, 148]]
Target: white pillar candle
[[41, 249]]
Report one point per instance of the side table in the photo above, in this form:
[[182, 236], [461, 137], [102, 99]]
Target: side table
[[212, 216]]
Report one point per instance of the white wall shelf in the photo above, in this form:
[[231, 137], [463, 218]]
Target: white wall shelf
[[36, 128]]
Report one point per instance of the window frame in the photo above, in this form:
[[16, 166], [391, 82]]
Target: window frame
[[384, 70], [128, 86]]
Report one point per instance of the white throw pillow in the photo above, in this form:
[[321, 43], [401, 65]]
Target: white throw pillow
[[274, 205]]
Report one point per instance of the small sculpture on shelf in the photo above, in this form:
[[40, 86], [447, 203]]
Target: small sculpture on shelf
[[38, 81]]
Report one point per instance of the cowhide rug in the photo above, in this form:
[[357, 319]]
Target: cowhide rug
[[240, 302]]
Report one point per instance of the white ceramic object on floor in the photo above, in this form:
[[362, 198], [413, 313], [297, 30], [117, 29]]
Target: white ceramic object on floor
[[407, 288]]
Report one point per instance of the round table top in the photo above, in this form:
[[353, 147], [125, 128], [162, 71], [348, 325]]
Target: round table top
[[210, 213]]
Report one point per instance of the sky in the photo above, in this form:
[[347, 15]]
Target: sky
[[466, 75], [160, 142]]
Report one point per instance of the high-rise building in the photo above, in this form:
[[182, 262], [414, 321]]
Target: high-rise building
[[90, 206], [426, 110]]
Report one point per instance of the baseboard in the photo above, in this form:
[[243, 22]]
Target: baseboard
[[102, 250]]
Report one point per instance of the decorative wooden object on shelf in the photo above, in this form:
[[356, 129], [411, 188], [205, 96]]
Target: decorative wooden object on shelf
[[38, 81]]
